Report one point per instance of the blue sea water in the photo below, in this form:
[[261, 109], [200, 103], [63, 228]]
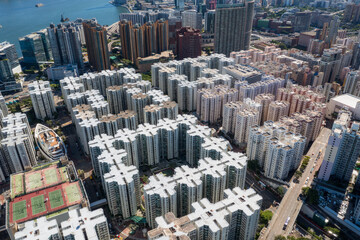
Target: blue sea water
[[20, 17]]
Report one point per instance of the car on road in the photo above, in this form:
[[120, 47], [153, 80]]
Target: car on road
[[286, 223]]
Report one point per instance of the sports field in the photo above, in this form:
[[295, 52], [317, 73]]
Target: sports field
[[56, 199], [73, 193], [38, 204], [44, 201], [36, 180], [51, 176], [19, 210], [17, 184], [33, 181], [63, 174]]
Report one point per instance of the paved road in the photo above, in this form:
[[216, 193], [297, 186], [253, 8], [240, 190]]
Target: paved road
[[290, 206], [267, 195], [265, 38]]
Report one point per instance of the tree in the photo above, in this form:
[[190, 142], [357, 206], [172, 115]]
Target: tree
[[282, 46], [280, 190], [144, 179], [279, 237], [265, 216], [332, 229], [49, 123], [17, 108], [312, 195], [146, 76]]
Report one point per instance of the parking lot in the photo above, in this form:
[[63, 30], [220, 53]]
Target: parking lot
[[343, 205]]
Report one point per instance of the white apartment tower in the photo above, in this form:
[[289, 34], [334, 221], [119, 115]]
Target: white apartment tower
[[85, 224], [42, 99], [275, 149], [277, 109], [234, 217], [264, 100]]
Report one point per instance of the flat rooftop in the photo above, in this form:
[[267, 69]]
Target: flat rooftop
[[347, 99]]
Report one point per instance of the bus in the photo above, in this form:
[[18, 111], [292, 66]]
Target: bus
[[286, 223]]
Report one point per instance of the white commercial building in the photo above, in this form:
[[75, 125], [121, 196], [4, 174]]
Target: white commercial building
[[347, 101]]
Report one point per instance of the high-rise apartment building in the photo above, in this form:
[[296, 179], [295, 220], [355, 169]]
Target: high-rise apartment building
[[191, 18], [275, 149], [302, 21], [188, 185], [210, 102], [142, 41], [210, 22], [3, 108], [96, 45], [46, 43], [348, 153], [188, 43], [233, 24], [245, 119], [10, 52], [308, 124], [352, 83], [333, 147], [6, 73], [230, 119], [17, 145], [121, 183], [42, 99], [83, 222], [265, 100], [179, 5], [277, 109], [40, 228], [65, 41], [235, 217]]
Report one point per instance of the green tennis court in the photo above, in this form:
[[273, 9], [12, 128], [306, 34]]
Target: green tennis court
[[72, 193], [56, 199], [50, 176], [38, 204], [63, 174], [19, 210], [17, 184], [33, 181]]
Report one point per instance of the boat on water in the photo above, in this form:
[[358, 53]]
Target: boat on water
[[50, 144], [39, 5]]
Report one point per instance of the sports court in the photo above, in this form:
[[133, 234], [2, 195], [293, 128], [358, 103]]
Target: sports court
[[32, 181], [56, 199], [44, 201], [19, 210], [17, 184], [72, 193], [38, 204]]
